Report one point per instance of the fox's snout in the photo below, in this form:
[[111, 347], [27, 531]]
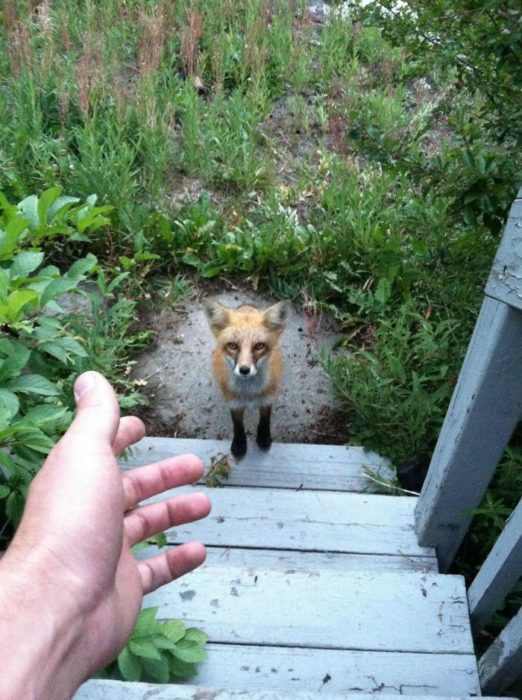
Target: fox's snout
[[245, 370]]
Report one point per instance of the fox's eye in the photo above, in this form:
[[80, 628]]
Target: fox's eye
[[232, 346], [259, 346]]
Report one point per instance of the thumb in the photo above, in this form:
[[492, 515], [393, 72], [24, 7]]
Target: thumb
[[98, 413]]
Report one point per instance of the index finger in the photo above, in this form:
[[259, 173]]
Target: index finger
[[143, 482]]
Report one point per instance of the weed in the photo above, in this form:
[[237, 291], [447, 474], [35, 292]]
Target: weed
[[158, 651], [219, 471]]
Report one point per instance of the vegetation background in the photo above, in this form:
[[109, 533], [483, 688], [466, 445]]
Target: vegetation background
[[359, 159]]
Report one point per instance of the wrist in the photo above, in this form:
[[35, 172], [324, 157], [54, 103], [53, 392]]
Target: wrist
[[38, 632]]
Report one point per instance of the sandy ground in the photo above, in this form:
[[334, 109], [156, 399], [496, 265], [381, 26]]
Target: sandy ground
[[185, 402]]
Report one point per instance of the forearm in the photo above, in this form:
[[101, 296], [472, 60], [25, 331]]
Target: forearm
[[38, 636]]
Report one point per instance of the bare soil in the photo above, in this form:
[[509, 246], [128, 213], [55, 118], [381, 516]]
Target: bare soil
[[185, 401]]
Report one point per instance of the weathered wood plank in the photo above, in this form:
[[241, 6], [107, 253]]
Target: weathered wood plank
[[292, 466], [486, 406], [498, 573], [117, 690], [505, 280], [306, 520], [288, 559], [501, 665], [385, 611], [279, 668]]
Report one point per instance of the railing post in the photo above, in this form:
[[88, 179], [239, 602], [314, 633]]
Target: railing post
[[498, 574], [485, 407], [500, 665]]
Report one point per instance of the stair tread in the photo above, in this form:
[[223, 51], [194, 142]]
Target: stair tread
[[285, 465], [115, 690], [308, 578]]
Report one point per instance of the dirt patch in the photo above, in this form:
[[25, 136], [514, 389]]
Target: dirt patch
[[185, 401]]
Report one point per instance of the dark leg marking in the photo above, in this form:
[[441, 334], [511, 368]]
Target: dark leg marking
[[239, 443], [264, 440]]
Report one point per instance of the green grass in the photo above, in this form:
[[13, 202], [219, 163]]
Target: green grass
[[354, 165]]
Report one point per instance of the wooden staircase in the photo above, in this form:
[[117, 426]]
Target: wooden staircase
[[313, 586]]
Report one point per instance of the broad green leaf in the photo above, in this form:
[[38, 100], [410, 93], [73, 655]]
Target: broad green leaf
[[9, 406], [63, 349], [158, 669], [39, 442], [46, 331], [81, 267], [7, 464], [16, 229], [145, 648], [29, 208], [181, 669], [16, 301], [4, 284], [56, 288], [146, 622], [46, 414], [61, 206], [174, 630], [45, 202], [162, 642], [193, 634], [33, 384], [129, 665], [15, 506], [14, 363], [4, 493], [189, 651], [26, 262]]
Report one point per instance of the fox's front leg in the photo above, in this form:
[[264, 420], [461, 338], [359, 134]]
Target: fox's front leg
[[239, 443], [264, 439]]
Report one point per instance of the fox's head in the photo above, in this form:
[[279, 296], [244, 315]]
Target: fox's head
[[246, 336]]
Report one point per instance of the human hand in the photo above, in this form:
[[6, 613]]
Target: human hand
[[70, 589]]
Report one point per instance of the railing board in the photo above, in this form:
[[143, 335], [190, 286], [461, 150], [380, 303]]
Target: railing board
[[484, 410], [505, 280], [304, 520], [498, 573], [323, 467], [501, 665], [357, 610]]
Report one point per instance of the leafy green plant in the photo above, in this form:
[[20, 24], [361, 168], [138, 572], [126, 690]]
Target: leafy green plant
[[41, 350], [159, 651], [219, 471], [399, 385]]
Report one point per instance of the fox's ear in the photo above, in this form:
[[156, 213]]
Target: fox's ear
[[217, 315], [277, 315]]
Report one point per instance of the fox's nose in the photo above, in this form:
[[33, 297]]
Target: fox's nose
[[244, 369]]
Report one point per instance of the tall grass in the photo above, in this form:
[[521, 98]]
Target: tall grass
[[335, 174]]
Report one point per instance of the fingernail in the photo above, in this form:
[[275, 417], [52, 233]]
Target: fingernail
[[83, 384]]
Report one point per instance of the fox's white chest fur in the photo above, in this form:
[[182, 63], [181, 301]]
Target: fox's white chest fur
[[249, 389]]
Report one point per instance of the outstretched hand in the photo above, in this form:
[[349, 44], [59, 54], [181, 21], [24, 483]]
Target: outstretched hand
[[70, 589]]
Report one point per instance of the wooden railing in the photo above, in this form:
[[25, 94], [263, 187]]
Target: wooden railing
[[484, 410]]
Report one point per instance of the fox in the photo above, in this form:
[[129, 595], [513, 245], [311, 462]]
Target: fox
[[247, 363]]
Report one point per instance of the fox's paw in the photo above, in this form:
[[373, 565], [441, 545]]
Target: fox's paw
[[238, 447], [264, 441]]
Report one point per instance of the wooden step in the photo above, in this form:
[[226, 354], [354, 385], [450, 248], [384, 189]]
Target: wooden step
[[113, 690], [311, 586], [285, 465]]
